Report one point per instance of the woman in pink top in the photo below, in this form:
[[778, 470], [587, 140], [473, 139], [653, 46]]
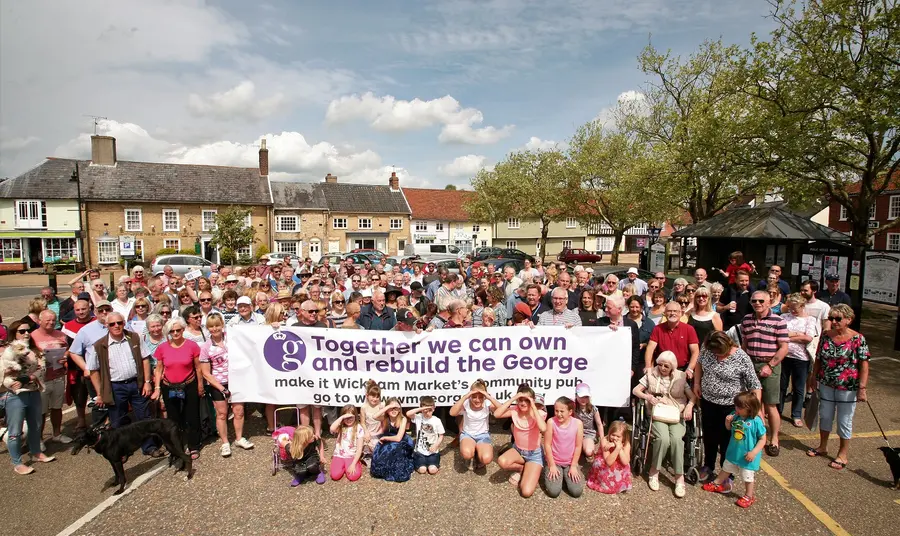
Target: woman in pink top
[[177, 379], [526, 458], [562, 448]]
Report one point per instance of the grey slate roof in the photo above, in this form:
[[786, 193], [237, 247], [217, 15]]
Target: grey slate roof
[[49, 180], [339, 197], [141, 181], [763, 222]]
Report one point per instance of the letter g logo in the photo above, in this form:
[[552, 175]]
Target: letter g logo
[[284, 351]]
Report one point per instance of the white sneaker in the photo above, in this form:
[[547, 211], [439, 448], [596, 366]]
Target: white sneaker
[[679, 490], [61, 438], [653, 482], [225, 450], [243, 443]]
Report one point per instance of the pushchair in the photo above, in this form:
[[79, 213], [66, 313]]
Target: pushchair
[[642, 437], [278, 456]]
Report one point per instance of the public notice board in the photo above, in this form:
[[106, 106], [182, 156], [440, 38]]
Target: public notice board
[[882, 277], [330, 367]]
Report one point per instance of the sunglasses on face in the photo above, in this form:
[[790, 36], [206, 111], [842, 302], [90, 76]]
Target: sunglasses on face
[[830, 319], [205, 300], [165, 313], [23, 330], [176, 330], [757, 301], [338, 301], [140, 306], [116, 323]]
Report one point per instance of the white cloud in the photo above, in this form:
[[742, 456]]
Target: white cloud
[[464, 166], [392, 115], [536, 144], [631, 101], [290, 154], [17, 143], [240, 101]]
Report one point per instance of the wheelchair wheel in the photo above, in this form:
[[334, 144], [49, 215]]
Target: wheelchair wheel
[[637, 466], [692, 476], [274, 462]]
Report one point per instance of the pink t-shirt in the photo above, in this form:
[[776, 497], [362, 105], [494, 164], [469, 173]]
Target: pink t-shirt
[[525, 431], [179, 362], [217, 357], [56, 339], [562, 444]]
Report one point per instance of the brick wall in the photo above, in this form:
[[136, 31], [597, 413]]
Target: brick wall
[[110, 217]]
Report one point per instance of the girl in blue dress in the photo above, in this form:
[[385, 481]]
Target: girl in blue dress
[[392, 458]]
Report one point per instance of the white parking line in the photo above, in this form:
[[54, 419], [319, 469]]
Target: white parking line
[[100, 508]]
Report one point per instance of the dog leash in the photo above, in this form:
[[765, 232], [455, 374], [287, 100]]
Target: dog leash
[[878, 423]]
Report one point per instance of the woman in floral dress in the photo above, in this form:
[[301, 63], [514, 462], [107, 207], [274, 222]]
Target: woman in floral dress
[[841, 374]]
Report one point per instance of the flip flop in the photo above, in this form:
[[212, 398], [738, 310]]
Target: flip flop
[[812, 453], [798, 423], [836, 465], [45, 459], [773, 450]]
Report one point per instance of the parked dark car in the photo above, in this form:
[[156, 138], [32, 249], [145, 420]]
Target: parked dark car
[[578, 255], [506, 253], [486, 253]]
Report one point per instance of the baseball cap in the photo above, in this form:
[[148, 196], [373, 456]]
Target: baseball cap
[[632, 270], [582, 389], [244, 300], [415, 285], [366, 293], [84, 296], [539, 398], [407, 317], [102, 303], [832, 277], [524, 309]]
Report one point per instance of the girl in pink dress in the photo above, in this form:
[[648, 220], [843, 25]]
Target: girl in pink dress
[[611, 472]]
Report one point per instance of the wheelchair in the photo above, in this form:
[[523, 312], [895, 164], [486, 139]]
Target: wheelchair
[[641, 440]]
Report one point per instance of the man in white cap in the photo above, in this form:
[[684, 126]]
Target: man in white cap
[[246, 315], [640, 286]]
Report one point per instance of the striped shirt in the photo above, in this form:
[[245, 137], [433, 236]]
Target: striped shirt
[[762, 336], [552, 318], [121, 361]]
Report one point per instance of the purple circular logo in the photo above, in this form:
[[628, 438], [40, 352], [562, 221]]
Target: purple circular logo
[[284, 351]]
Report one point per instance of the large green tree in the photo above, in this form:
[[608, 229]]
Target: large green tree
[[687, 113], [825, 106], [529, 185], [610, 169], [232, 231]]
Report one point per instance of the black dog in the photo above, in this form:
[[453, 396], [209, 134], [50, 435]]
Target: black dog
[[893, 458], [117, 444]]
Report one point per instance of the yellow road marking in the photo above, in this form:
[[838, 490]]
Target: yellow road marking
[[862, 435], [813, 508], [897, 501]]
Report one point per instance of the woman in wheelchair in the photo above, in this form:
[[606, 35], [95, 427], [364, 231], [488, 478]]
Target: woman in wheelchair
[[671, 402]]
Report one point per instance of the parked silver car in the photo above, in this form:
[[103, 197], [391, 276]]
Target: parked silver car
[[181, 264]]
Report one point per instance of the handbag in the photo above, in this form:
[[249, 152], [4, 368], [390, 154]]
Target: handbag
[[665, 413], [811, 413]]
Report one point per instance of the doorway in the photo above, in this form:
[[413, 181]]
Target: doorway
[[35, 252], [315, 249], [209, 251], [364, 243]]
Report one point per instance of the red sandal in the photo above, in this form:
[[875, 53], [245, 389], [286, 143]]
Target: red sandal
[[745, 501]]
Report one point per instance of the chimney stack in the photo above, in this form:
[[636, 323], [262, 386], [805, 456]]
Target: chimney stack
[[263, 159], [330, 178], [394, 181], [103, 150]]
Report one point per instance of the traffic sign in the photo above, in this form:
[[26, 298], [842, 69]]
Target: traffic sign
[[126, 245]]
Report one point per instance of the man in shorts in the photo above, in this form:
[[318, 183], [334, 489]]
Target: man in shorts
[[765, 339]]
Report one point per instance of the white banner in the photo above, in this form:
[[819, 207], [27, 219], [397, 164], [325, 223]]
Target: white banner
[[331, 366]]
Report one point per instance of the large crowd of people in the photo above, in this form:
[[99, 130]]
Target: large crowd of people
[[154, 346]]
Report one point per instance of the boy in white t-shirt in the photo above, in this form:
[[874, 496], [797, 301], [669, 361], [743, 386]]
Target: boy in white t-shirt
[[429, 434]]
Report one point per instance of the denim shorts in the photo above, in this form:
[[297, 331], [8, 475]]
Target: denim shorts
[[480, 438], [421, 460], [533, 456]]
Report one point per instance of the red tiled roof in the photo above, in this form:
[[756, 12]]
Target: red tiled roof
[[893, 185], [446, 205]]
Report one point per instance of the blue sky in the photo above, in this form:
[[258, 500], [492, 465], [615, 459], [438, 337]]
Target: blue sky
[[433, 89]]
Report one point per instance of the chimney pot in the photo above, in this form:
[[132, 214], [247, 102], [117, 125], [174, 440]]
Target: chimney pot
[[330, 178], [103, 150], [394, 181], [263, 159]]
